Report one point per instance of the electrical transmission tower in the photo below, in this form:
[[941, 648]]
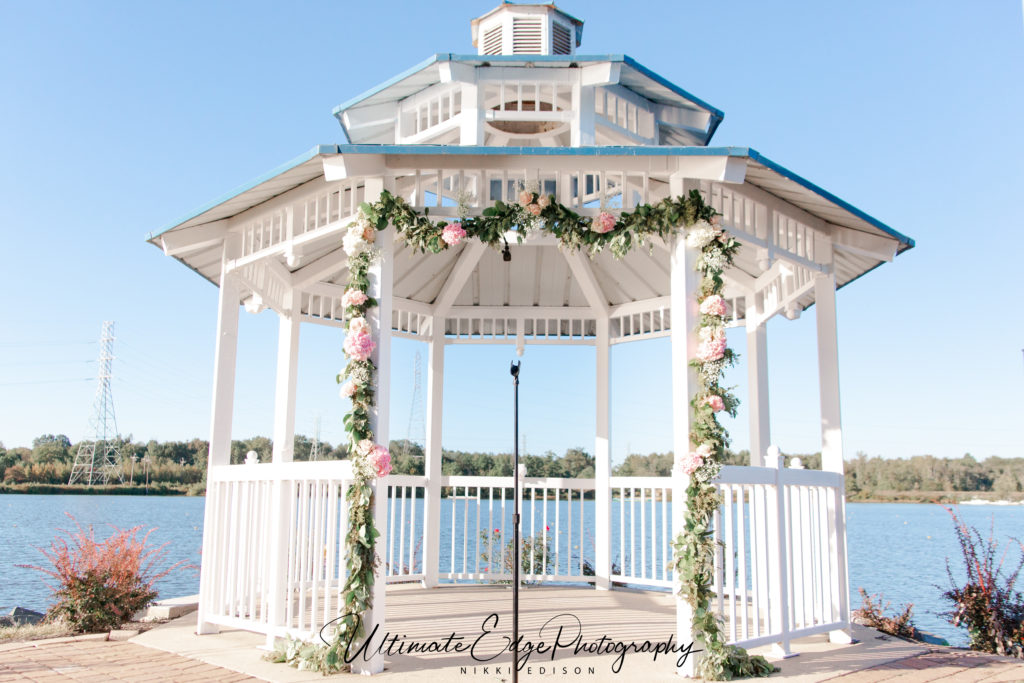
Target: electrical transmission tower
[[417, 430], [99, 460], [314, 450]]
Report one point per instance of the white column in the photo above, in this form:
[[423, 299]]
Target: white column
[[284, 447], [757, 383], [828, 373], [221, 412], [471, 127], [287, 376], [685, 316], [380, 276], [582, 131], [432, 465], [602, 460], [832, 444]]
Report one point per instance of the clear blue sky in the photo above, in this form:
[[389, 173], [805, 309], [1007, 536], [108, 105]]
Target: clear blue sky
[[117, 118]]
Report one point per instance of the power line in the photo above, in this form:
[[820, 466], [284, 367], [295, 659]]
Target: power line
[[47, 381]]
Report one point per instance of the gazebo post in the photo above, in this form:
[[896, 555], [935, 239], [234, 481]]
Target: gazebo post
[[757, 381], [602, 459], [832, 443], [284, 447], [684, 281], [433, 454], [221, 411], [381, 276]]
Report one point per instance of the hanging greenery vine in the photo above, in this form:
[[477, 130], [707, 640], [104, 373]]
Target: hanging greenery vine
[[694, 548]]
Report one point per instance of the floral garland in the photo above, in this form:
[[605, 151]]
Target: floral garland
[[694, 547]]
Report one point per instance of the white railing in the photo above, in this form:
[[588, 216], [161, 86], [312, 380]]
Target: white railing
[[275, 561], [779, 569], [403, 560], [476, 529]]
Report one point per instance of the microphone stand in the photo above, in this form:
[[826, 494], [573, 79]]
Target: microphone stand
[[515, 523]]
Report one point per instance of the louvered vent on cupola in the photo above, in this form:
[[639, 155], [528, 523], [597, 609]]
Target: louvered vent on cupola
[[561, 39], [526, 30], [527, 36], [492, 41]]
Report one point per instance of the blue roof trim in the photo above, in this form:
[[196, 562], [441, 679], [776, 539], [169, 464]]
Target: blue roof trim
[[825, 194], [287, 166], [716, 114], [460, 150]]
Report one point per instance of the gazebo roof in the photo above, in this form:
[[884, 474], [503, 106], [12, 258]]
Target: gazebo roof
[[539, 274], [363, 124]]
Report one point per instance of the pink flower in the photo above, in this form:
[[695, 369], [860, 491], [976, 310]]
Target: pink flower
[[353, 297], [358, 345], [497, 531], [453, 234], [715, 221], [525, 197], [713, 305], [544, 201], [380, 460], [690, 462], [547, 528], [358, 326], [369, 233], [711, 349], [534, 209], [715, 402], [348, 389], [605, 222]]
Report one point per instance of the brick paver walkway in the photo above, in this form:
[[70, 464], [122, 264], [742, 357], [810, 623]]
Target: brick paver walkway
[[949, 666], [100, 660]]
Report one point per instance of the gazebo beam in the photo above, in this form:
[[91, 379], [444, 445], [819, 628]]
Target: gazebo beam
[[464, 267], [328, 264], [585, 278]]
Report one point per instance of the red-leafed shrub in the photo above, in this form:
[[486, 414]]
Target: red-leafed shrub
[[101, 584], [987, 604]]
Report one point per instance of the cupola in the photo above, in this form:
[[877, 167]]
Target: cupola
[[512, 29]]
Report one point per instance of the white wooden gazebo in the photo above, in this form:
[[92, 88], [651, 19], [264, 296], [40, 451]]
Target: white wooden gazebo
[[595, 131]]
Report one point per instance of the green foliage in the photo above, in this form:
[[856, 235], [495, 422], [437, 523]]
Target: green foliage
[[985, 602], [536, 555], [873, 613], [694, 547]]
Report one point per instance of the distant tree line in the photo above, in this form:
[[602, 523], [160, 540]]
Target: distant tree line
[[183, 463]]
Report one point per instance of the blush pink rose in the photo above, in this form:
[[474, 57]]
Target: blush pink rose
[[713, 305], [711, 349], [380, 460], [353, 297], [453, 234], [544, 201], [534, 209], [605, 222], [358, 345], [525, 197], [716, 403], [348, 389], [690, 462]]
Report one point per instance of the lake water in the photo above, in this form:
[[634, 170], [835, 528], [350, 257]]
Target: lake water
[[898, 550]]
